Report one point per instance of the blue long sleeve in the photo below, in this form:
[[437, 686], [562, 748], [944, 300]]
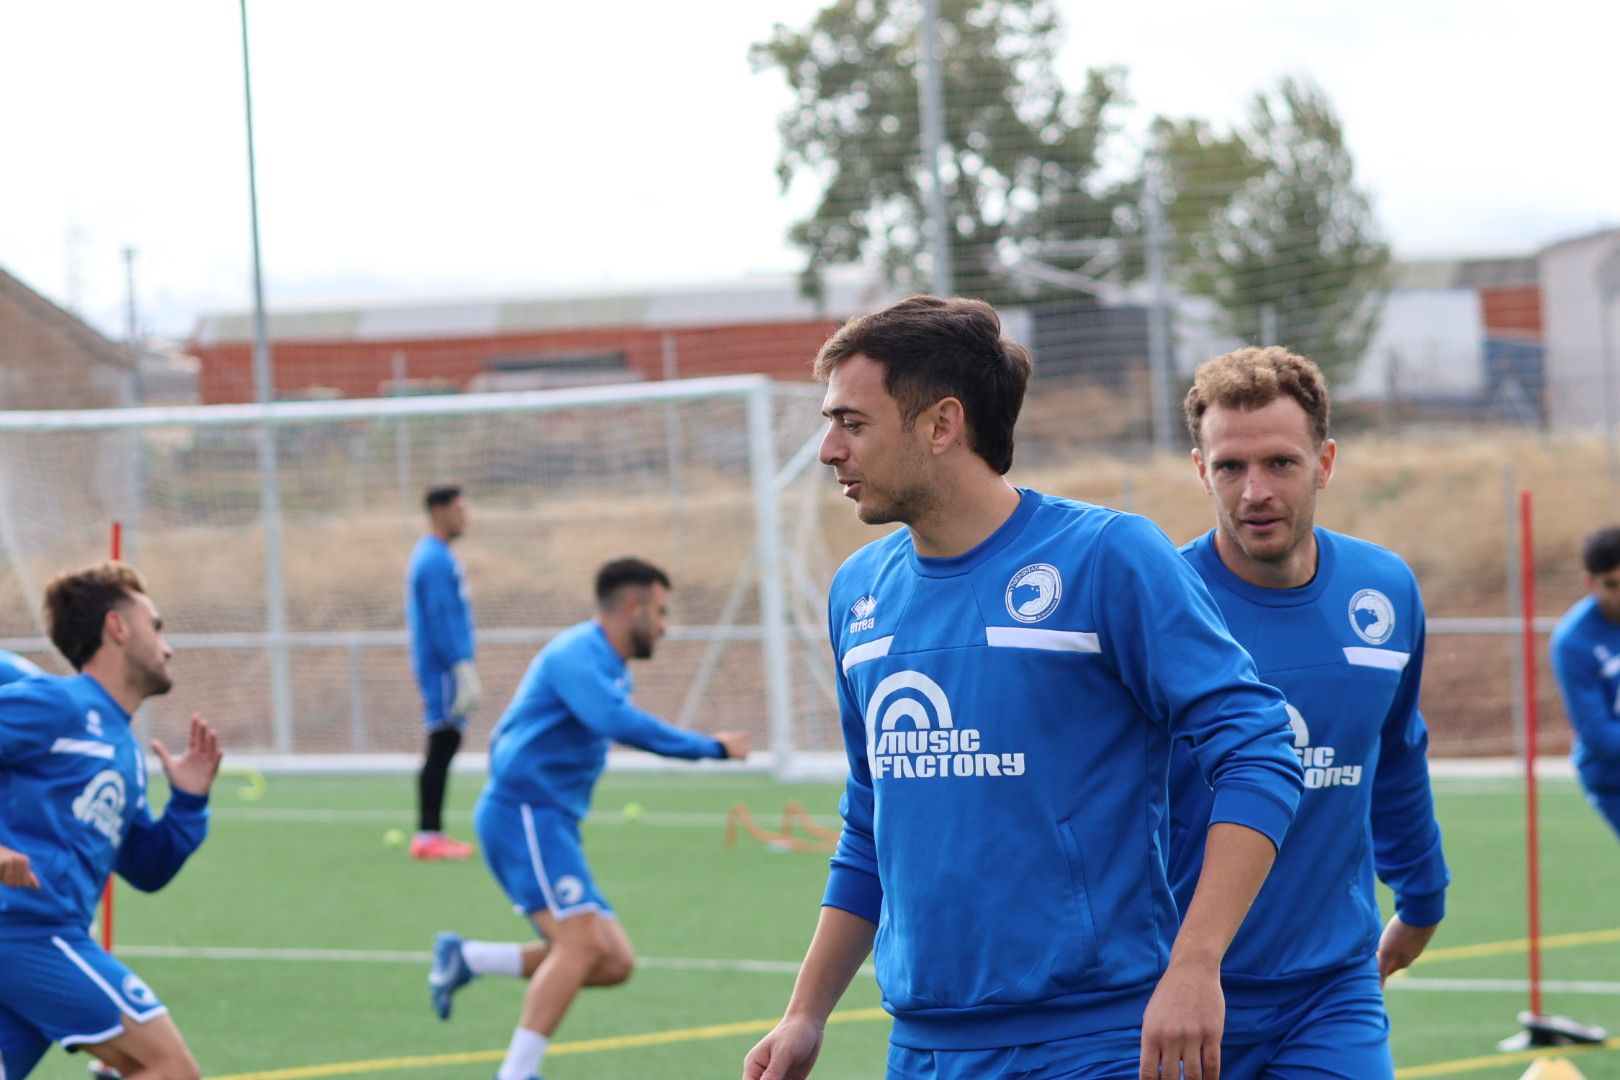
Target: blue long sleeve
[[853, 884], [436, 608], [1174, 654], [1406, 836], [154, 851], [600, 704], [1586, 697]]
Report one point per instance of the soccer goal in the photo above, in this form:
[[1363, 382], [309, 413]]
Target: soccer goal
[[275, 540]]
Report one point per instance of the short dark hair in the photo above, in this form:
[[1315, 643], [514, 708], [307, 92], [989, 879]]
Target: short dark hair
[[1253, 378], [77, 602], [440, 495], [933, 348], [628, 573], [1601, 551]]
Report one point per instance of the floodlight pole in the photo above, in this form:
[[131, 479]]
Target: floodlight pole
[[1606, 299], [269, 486], [1158, 337], [931, 106]]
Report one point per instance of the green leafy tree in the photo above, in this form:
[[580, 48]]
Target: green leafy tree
[[1021, 151], [1268, 221]]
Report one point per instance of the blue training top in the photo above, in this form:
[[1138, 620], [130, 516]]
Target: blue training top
[[1347, 650], [437, 611], [1008, 715], [1585, 650], [551, 744], [73, 799]]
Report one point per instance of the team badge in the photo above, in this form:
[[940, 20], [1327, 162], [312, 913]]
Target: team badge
[[137, 992], [570, 890], [1372, 616], [1034, 592]]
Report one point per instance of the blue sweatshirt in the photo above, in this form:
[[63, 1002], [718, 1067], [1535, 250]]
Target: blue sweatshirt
[[73, 799], [551, 744], [1347, 650], [437, 611], [14, 667], [1008, 716], [1585, 650]]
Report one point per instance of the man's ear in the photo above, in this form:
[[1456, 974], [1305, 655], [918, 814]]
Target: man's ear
[[947, 422], [114, 627]]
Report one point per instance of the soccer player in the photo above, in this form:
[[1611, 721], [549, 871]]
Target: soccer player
[[1012, 668], [1336, 624], [73, 782], [545, 758], [1585, 651], [14, 667], [439, 617]]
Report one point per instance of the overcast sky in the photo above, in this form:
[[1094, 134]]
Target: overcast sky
[[410, 149]]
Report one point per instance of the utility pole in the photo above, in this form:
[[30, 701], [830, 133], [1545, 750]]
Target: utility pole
[[931, 103]]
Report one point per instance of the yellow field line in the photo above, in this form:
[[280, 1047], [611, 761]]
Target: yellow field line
[[1518, 945], [748, 1027], [582, 1046], [1518, 1057]]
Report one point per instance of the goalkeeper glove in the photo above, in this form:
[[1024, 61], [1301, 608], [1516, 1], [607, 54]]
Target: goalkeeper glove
[[469, 692]]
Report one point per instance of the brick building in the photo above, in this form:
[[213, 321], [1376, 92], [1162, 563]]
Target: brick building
[[52, 359], [538, 343]]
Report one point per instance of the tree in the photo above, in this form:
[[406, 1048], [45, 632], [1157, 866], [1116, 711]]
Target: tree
[[1021, 151], [1269, 223]]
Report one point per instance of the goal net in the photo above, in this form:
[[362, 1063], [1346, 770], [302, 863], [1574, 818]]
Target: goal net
[[275, 542]]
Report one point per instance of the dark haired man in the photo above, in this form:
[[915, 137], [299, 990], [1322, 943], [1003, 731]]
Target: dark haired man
[[545, 757], [73, 782], [1012, 669], [1585, 651], [1336, 624], [439, 617]]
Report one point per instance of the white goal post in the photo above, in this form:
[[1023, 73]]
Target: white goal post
[[282, 588]]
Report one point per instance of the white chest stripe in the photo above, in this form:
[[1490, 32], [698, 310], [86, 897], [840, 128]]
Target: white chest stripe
[[867, 650], [88, 747], [1611, 667], [1388, 659], [1033, 637]]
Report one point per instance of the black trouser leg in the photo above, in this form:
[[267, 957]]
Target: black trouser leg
[[434, 778]]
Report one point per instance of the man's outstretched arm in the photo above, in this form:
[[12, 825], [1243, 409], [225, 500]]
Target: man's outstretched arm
[[1181, 1029]]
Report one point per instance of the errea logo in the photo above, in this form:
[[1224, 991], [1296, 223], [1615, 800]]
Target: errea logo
[[862, 610]]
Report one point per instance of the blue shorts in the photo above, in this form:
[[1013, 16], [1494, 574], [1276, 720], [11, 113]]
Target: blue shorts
[[1108, 1055], [537, 858], [64, 988], [438, 694], [1336, 1031], [1609, 806]]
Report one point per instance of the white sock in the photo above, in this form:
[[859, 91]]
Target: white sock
[[493, 958], [523, 1056]]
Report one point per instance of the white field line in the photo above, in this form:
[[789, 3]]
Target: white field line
[[299, 816], [1494, 986], [400, 956]]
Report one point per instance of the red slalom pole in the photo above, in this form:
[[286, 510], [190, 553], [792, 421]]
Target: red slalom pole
[[116, 546], [1527, 591]]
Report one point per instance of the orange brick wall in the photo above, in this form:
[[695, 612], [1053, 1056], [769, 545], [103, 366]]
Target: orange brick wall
[[360, 368]]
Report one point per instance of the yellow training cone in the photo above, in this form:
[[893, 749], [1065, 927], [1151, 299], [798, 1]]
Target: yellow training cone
[[1552, 1069]]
